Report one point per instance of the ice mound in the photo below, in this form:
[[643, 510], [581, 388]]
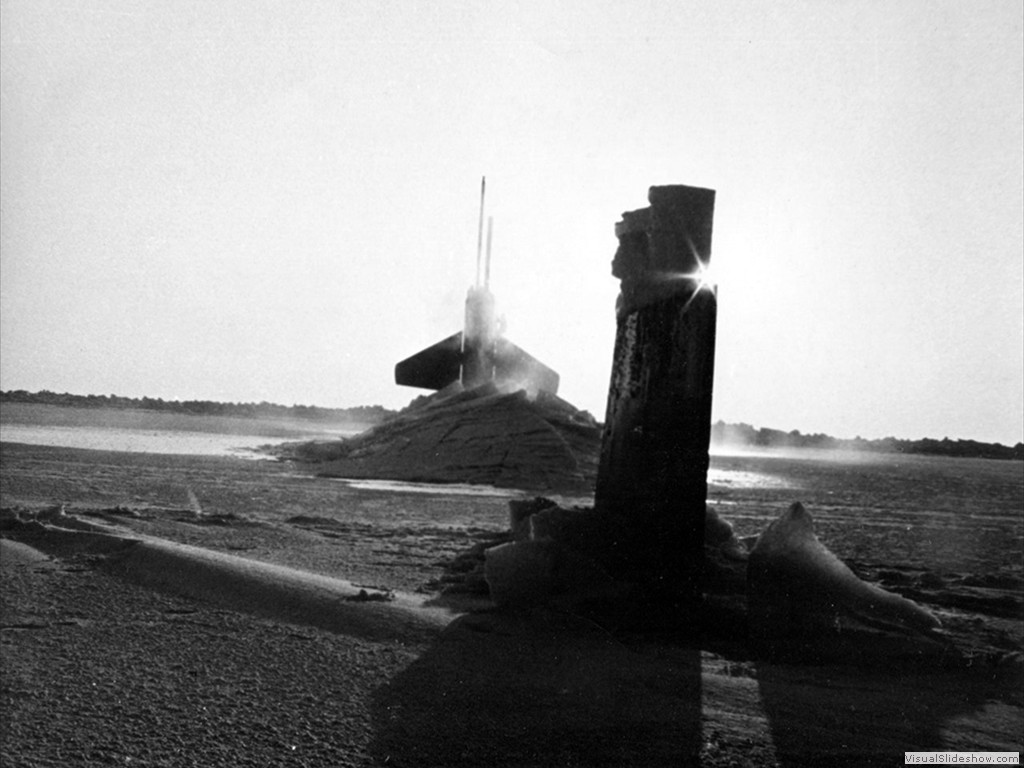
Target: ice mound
[[486, 435]]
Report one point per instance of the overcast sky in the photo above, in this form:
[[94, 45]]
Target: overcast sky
[[240, 200]]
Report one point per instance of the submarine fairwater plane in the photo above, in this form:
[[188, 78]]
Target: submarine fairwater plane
[[479, 353]]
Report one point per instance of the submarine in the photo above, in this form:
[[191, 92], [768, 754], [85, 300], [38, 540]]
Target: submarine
[[479, 353]]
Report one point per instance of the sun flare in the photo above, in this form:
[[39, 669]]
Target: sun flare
[[702, 276]]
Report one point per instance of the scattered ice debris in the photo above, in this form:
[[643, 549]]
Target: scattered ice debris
[[784, 586], [377, 596], [803, 599]]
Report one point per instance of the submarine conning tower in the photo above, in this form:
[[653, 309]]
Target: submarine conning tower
[[479, 337], [479, 353]]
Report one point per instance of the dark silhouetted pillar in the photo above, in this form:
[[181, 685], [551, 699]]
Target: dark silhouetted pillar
[[652, 481]]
